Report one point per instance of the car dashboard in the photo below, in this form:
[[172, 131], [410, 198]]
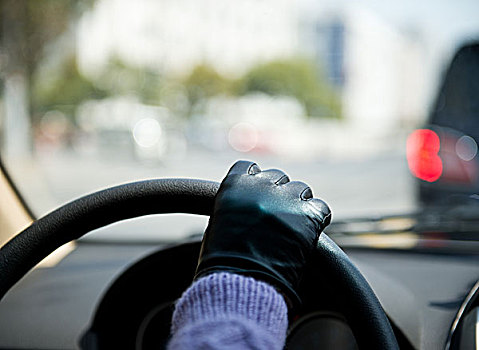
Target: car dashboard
[[107, 294]]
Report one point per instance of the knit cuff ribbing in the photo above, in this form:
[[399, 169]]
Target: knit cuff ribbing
[[223, 296]]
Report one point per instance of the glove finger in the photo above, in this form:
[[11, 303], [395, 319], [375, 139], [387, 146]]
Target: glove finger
[[300, 189], [244, 167], [321, 209], [277, 176]]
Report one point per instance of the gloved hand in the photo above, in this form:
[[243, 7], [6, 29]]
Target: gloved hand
[[263, 226]]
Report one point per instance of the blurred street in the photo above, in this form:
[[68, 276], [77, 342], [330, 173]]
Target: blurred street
[[353, 188]]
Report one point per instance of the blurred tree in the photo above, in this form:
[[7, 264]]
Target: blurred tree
[[204, 82], [65, 89], [46, 21], [28, 27], [298, 78], [120, 78]]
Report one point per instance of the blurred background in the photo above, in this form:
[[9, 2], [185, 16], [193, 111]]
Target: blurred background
[[100, 92]]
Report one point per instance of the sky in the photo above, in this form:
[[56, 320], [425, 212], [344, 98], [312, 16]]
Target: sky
[[442, 20]]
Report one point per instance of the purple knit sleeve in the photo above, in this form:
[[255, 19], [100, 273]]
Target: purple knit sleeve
[[230, 312]]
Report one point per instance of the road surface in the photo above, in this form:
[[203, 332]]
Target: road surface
[[353, 188]]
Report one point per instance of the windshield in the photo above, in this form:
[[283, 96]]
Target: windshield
[[361, 100]]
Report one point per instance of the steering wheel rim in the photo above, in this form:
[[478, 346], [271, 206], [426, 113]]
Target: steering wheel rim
[[362, 309]]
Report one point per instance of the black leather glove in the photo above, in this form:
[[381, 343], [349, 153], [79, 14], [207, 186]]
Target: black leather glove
[[263, 226]]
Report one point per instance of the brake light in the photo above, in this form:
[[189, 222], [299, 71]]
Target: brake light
[[422, 155]]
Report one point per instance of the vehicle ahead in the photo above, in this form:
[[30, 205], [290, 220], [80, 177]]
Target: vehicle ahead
[[444, 155], [100, 93]]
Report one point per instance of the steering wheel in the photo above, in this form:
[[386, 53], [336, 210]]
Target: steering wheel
[[360, 305]]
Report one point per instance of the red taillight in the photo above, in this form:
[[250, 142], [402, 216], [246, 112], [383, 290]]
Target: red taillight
[[422, 155]]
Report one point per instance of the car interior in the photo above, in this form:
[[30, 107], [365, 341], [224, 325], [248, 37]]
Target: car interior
[[116, 128]]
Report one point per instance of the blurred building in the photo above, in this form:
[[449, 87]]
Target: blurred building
[[176, 35], [351, 45], [378, 70]]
